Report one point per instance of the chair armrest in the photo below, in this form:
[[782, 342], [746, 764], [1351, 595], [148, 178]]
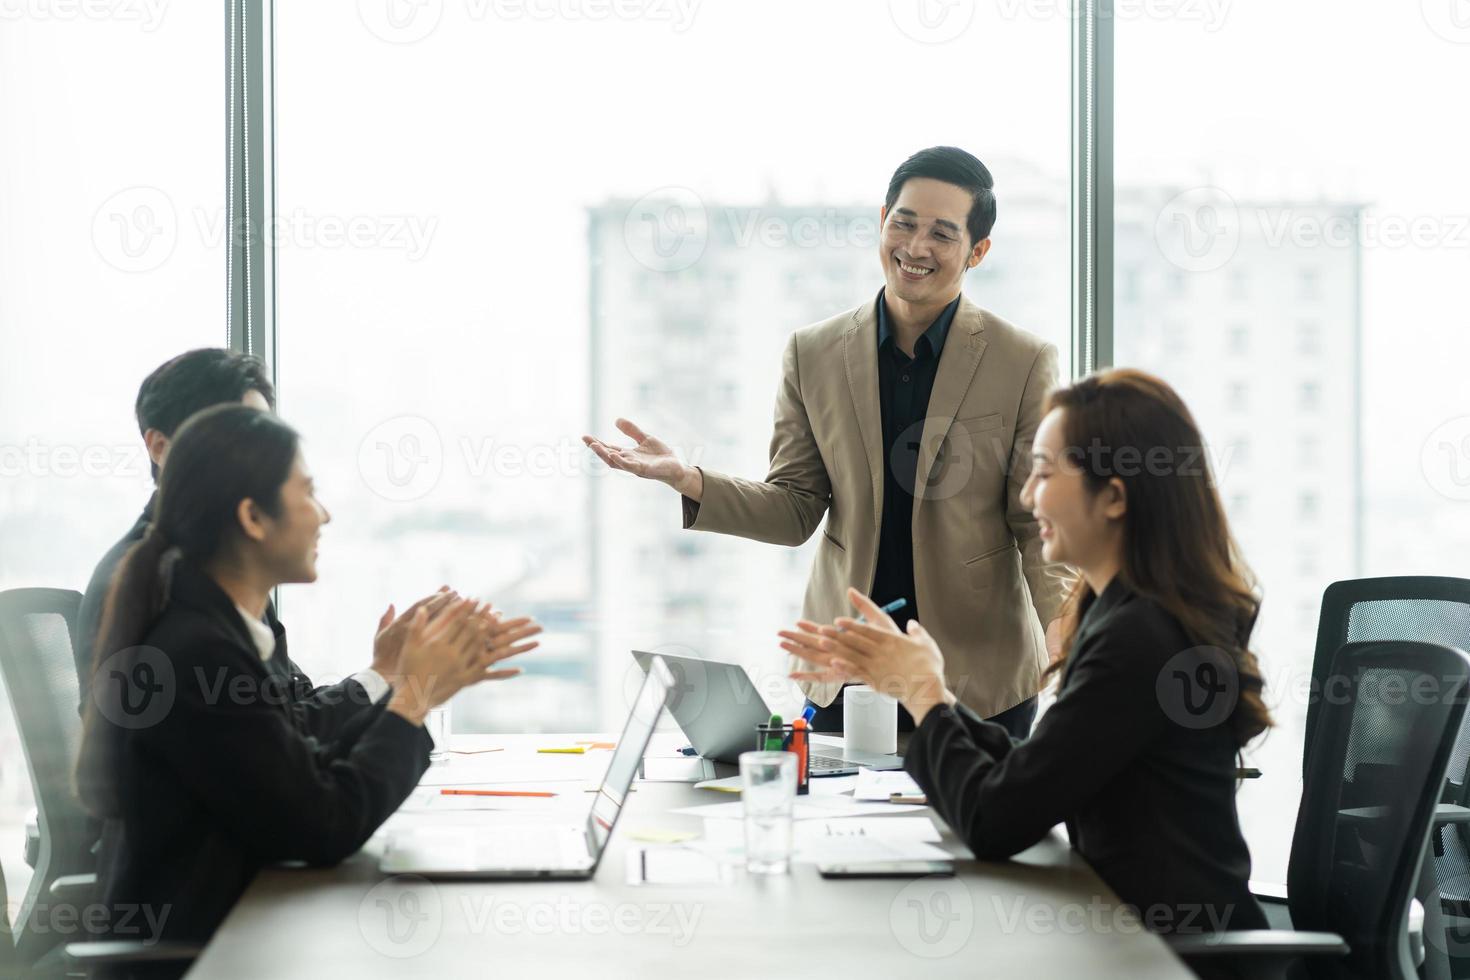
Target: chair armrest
[[1450, 813], [1259, 942], [1268, 891], [130, 951], [74, 888], [1444, 813]]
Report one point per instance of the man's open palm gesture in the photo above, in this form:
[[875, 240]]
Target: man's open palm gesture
[[649, 458]]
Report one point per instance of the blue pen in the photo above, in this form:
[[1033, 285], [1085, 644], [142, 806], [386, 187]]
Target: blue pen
[[890, 609]]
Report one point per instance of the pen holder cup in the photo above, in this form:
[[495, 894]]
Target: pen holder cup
[[794, 740]]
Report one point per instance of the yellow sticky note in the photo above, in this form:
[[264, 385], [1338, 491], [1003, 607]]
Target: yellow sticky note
[[567, 750], [722, 789]]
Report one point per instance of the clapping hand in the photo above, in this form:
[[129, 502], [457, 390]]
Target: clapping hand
[[392, 630], [908, 665]]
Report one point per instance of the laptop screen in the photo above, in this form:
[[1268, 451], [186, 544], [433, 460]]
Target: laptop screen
[[632, 744]]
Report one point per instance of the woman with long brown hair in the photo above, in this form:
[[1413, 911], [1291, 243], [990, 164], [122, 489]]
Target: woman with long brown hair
[[190, 755], [1158, 690]]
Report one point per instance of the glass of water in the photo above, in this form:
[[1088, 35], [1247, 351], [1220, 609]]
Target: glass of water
[[769, 793], [437, 725]]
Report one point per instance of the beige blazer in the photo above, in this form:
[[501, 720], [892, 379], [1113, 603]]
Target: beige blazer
[[981, 585]]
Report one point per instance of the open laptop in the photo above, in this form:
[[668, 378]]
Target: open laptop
[[717, 707], [543, 850]]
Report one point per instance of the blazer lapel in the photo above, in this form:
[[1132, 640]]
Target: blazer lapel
[[957, 365], [860, 351]]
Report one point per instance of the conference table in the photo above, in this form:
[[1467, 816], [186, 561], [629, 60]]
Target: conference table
[[1043, 913]]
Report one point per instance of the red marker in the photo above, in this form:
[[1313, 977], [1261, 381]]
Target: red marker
[[802, 740]]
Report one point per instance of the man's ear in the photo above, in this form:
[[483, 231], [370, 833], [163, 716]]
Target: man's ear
[[251, 520], [882, 215], [977, 254], [157, 444], [1115, 500]]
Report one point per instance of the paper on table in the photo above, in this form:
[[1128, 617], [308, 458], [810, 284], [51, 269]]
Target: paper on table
[[847, 806], [834, 841], [875, 784], [867, 850], [806, 808], [877, 828], [674, 866]]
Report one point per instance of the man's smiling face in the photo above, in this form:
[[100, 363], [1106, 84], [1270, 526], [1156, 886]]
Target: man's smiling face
[[926, 246]]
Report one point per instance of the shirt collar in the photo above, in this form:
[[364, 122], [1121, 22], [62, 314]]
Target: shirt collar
[[936, 334], [261, 635]]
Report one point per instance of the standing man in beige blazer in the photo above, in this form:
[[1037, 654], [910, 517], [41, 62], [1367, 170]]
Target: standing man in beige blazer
[[908, 422]]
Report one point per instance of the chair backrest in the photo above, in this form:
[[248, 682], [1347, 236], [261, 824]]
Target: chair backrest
[[1389, 714], [36, 629], [1419, 608]]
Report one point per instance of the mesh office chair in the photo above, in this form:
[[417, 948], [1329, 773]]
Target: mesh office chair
[[1375, 770], [36, 627], [1427, 609]]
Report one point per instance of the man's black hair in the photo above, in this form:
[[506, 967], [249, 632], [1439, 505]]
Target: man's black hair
[[953, 166], [196, 380]]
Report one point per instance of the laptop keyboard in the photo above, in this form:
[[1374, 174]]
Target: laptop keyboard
[[827, 763]]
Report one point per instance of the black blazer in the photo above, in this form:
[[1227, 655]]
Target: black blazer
[[1148, 802], [224, 781], [320, 711]]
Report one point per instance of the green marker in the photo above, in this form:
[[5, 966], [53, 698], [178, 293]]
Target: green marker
[[773, 739]]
